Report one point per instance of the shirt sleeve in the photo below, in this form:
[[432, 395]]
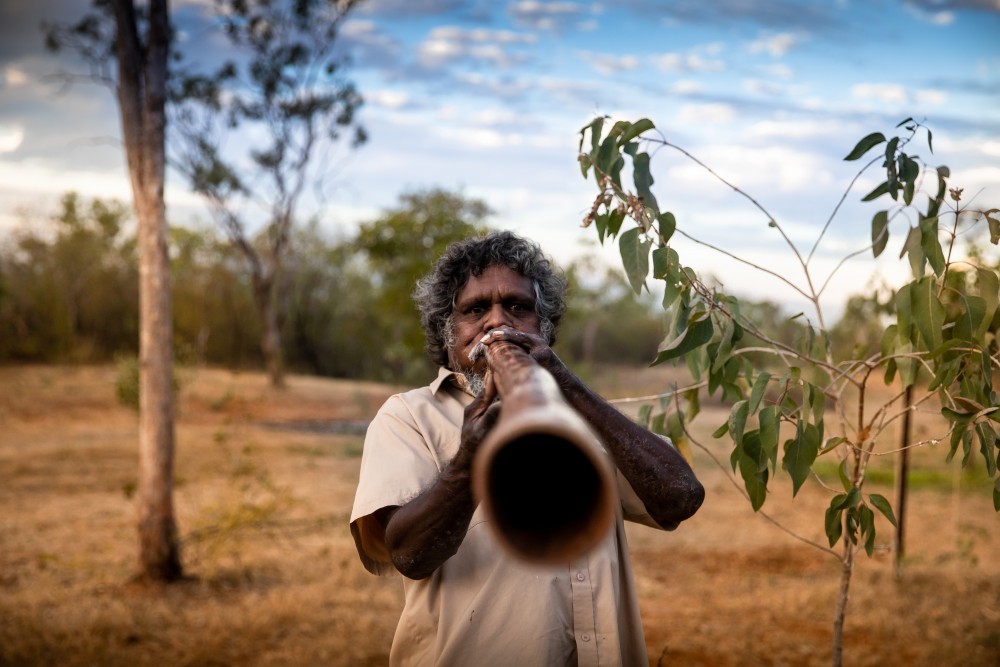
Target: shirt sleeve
[[396, 466]]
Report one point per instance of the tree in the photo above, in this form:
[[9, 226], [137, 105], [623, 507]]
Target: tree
[[285, 89], [400, 247], [71, 285], [140, 84], [941, 325], [142, 94]]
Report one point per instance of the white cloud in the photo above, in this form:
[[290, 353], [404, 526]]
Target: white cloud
[[11, 138], [753, 169], [453, 43], [886, 93], [932, 97], [677, 62], [14, 76], [896, 95], [543, 15], [776, 45], [793, 129], [991, 148], [706, 114], [608, 64], [388, 99], [760, 87], [687, 87]]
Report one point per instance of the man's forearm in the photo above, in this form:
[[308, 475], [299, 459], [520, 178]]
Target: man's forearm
[[425, 532], [660, 476]]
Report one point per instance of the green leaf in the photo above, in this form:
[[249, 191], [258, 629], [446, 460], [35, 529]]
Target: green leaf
[[614, 222], [993, 220], [769, 430], [904, 315], [956, 416], [698, 332], [831, 444], [665, 263], [656, 424], [880, 232], [865, 145], [635, 129], [987, 446], [913, 248], [738, 421], [758, 389], [928, 313], [882, 505], [634, 248], [890, 150], [595, 127], [753, 469], [834, 523], [643, 182], [668, 225], [607, 155], [877, 192], [644, 412], [930, 244], [800, 453], [867, 521], [996, 494], [721, 431], [852, 499], [989, 291], [845, 480]]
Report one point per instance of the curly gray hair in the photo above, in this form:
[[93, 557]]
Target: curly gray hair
[[435, 294]]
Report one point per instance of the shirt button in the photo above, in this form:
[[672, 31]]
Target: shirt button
[[585, 637], [580, 576]]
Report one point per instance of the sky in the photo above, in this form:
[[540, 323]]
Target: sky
[[487, 98]]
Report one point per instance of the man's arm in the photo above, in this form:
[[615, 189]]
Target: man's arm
[[659, 475], [428, 530]]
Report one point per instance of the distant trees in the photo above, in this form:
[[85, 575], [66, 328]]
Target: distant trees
[[70, 289], [249, 136], [400, 247], [347, 299]]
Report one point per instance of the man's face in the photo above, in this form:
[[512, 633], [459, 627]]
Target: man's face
[[500, 297]]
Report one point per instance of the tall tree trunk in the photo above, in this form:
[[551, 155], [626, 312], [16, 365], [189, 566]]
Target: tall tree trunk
[[142, 72], [270, 337]]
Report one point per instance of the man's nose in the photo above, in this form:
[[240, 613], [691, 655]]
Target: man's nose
[[497, 317]]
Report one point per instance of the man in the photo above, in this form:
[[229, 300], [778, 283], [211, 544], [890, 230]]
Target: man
[[466, 601]]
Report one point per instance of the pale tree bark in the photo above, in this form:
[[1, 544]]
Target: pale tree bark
[[141, 91]]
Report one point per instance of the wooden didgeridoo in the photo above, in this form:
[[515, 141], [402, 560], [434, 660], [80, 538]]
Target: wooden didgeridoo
[[545, 483]]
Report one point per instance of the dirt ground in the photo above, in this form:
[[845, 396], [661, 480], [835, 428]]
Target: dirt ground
[[264, 490]]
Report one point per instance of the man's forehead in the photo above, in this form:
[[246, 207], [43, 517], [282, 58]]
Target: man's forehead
[[496, 279]]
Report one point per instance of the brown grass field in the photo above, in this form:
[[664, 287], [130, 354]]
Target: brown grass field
[[263, 498]]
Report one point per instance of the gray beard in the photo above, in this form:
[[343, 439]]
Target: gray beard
[[475, 382]]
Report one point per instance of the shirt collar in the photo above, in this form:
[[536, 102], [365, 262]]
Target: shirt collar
[[445, 377]]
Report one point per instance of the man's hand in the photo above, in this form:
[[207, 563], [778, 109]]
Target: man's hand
[[428, 530], [534, 344], [480, 416], [660, 476]]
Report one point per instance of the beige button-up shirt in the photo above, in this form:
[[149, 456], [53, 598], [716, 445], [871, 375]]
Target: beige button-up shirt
[[483, 607]]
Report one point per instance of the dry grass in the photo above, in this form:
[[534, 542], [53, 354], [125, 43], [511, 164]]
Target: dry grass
[[274, 580]]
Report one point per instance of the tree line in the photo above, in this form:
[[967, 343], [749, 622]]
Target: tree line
[[69, 293]]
